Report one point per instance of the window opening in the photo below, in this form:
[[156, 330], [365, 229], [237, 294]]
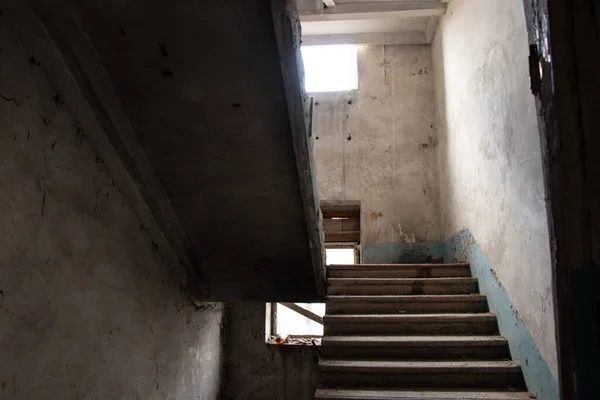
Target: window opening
[[331, 68], [341, 222], [340, 255], [302, 323]]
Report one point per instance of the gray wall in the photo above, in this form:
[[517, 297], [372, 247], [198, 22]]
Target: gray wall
[[88, 306], [489, 153], [257, 371], [377, 145]]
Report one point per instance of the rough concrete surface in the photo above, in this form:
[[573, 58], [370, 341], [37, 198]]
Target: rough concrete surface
[[489, 153], [206, 98], [88, 309], [377, 145], [257, 371]]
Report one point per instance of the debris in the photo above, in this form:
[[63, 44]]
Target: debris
[[280, 339], [295, 340]]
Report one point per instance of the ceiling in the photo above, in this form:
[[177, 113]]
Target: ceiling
[[369, 21], [207, 113]]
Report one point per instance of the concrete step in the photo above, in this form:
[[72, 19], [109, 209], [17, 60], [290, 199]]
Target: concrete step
[[411, 324], [383, 286], [341, 394], [350, 374], [398, 271], [410, 304], [416, 347]]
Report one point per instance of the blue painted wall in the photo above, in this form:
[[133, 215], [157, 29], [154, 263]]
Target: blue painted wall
[[462, 247]]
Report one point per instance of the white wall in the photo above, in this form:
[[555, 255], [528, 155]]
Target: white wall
[[489, 154], [377, 145]]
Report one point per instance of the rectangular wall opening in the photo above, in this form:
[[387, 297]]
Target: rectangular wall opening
[[302, 323], [332, 68]]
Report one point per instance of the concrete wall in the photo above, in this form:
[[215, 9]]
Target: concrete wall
[[489, 153], [257, 371], [377, 145], [88, 307]]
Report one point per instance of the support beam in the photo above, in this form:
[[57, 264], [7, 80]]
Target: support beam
[[367, 38], [431, 28], [359, 11], [287, 31], [304, 312]]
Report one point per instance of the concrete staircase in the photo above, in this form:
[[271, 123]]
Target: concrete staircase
[[415, 331]]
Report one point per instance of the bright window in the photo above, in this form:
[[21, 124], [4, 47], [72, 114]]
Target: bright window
[[291, 323], [340, 256], [330, 68]]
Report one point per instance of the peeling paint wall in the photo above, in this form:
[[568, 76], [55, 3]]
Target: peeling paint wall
[[377, 144], [462, 247], [88, 306], [491, 178]]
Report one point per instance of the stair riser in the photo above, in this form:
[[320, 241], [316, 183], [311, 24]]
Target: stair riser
[[421, 395], [397, 332], [423, 379], [401, 273], [405, 307], [412, 328], [374, 290], [437, 353]]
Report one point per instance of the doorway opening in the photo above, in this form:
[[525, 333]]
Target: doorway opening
[[302, 323]]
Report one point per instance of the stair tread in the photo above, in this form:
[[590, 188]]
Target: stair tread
[[441, 317], [454, 352], [478, 367], [387, 281], [423, 340], [408, 297], [346, 394], [395, 266]]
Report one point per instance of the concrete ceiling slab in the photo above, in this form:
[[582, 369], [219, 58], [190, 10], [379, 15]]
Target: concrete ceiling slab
[[372, 22]]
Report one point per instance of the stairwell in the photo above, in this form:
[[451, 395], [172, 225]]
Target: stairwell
[[412, 331]]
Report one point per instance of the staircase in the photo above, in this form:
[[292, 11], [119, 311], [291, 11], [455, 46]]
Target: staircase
[[412, 331]]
